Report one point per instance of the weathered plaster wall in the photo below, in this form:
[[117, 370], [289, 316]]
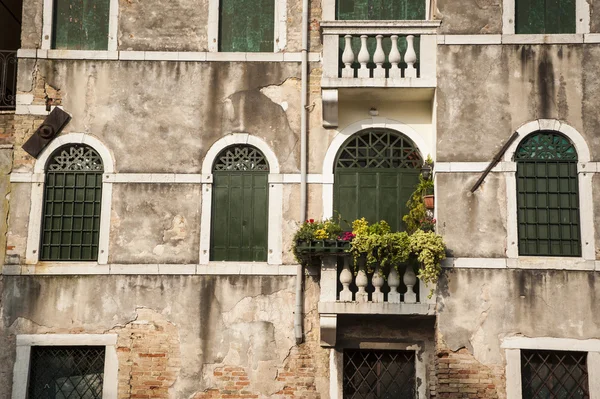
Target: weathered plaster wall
[[469, 17], [31, 24], [479, 307], [163, 26], [155, 223], [18, 222], [486, 92], [473, 225], [594, 16], [208, 324], [596, 191]]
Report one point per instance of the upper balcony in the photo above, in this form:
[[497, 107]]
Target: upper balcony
[[362, 54]]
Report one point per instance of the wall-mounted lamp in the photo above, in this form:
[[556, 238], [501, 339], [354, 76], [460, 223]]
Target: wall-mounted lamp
[[426, 171]]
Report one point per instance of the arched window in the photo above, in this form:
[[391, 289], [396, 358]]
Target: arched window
[[240, 205], [376, 171], [72, 200], [548, 196]]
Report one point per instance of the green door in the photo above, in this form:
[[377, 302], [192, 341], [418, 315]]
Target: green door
[[240, 206], [376, 173]]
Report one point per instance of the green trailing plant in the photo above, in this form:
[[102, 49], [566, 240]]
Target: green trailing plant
[[416, 206], [429, 249]]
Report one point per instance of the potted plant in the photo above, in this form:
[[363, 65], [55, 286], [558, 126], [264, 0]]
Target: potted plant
[[314, 237]]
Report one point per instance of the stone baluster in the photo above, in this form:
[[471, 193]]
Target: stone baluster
[[410, 58], [379, 58], [348, 58], [410, 279], [363, 57], [361, 282], [377, 282], [346, 280], [394, 283], [395, 58]]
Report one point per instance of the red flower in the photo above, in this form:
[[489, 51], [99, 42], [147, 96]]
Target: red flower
[[311, 220]]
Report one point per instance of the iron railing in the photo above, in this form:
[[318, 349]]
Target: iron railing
[[8, 79]]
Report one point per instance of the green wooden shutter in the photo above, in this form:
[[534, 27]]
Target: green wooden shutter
[[247, 26], [72, 200], [80, 24], [381, 10], [548, 196], [240, 206], [545, 16]]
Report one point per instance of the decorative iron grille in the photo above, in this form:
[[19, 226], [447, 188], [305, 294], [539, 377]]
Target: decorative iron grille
[[372, 374], [379, 148], [554, 374], [241, 157], [546, 145], [72, 201], [8, 79], [74, 372]]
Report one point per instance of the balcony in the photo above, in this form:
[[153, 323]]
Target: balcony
[[396, 55], [398, 293]]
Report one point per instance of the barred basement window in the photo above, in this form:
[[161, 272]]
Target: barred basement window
[[240, 205], [66, 372], [554, 374], [376, 171], [376, 374], [548, 196], [72, 199], [80, 24], [545, 16]]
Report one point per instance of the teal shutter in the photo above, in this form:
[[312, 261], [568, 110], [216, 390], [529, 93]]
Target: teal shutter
[[247, 26], [375, 175], [381, 10], [80, 24], [240, 206], [72, 200], [548, 196], [545, 16]]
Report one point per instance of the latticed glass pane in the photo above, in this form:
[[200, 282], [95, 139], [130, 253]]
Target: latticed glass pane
[[546, 145], [379, 148], [61, 372], [379, 374], [241, 158], [548, 196], [72, 200], [554, 374]]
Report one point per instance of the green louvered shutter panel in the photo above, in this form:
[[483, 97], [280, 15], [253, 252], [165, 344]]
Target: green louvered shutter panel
[[240, 206], [80, 24], [72, 201], [376, 173], [381, 9], [247, 26], [545, 16], [548, 196]]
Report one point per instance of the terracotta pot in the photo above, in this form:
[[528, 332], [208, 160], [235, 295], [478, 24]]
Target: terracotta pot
[[429, 201]]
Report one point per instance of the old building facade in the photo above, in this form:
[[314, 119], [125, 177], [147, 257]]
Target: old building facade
[[150, 240]]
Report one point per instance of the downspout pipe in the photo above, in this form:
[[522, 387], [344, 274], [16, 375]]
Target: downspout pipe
[[303, 161]]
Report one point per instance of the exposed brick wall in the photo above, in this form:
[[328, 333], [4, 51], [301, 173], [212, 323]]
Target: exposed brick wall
[[24, 127], [7, 127]]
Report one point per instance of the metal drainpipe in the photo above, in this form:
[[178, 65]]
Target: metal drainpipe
[[303, 156]]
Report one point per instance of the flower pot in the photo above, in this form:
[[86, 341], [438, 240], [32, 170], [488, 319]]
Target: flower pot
[[429, 201]]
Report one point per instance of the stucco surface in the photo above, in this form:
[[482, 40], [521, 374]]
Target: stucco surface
[[221, 320], [469, 17], [479, 307], [485, 93], [155, 223], [31, 24], [18, 223], [473, 225], [594, 15]]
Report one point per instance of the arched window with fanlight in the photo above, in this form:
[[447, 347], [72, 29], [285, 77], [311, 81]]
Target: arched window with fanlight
[[548, 196], [72, 201], [376, 171], [239, 227]]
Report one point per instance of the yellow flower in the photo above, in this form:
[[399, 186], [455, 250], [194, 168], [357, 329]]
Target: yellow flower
[[321, 234]]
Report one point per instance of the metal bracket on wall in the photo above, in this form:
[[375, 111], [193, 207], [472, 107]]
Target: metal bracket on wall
[[494, 162]]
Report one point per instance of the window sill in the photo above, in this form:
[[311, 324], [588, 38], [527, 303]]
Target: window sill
[[180, 56], [489, 39], [524, 262]]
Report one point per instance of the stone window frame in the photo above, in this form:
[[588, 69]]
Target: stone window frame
[[280, 28], [113, 22], [585, 175], [512, 347], [582, 23], [34, 231], [328, 175], [23, 356], [275, 216], [336, 365]]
